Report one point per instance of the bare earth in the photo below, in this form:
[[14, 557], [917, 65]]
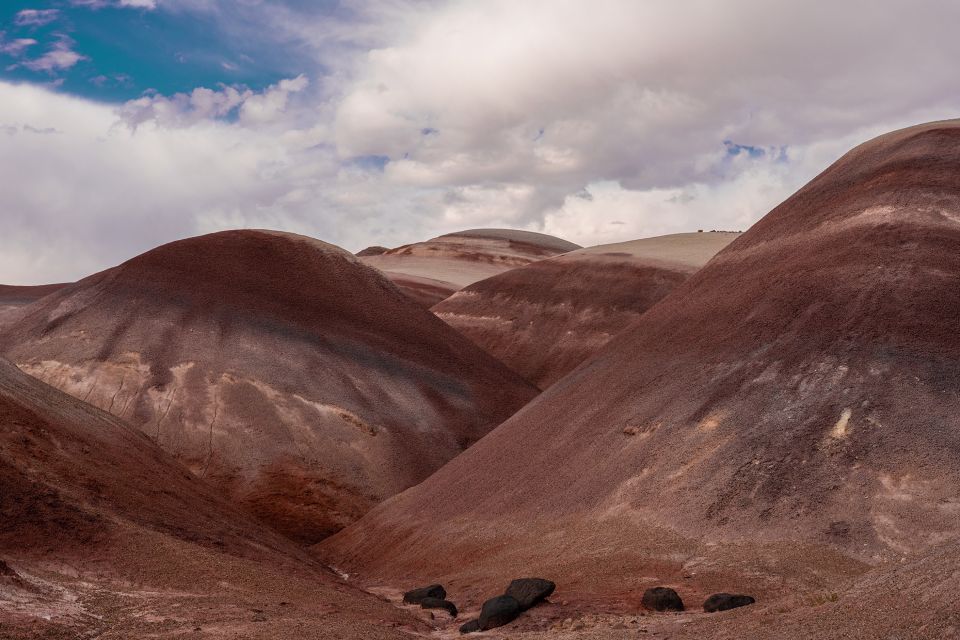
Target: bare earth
[[278, 368], [104, 535], [432, 270], [782, 424], [13, 298], [544, 319]]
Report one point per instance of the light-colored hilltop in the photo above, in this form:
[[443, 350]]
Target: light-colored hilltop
[[690, 250], [432, 270]]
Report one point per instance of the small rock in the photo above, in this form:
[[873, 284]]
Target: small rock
[[630, 431], [470, 627], [530, 591], [662, 599], [725, 601], [438, 603], [417, 595], [498, 611]]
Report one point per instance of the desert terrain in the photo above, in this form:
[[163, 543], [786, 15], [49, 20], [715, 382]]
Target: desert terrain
[[544, 319], [256, 434], [432, 270], [274, 366]]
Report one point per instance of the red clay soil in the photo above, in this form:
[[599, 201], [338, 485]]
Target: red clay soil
[[544, 319], [801, 391], [102, 534], [438, 267], [275, 366], [14, 297]]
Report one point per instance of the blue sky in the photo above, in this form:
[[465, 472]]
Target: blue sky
[[129, 50], [128, 123]]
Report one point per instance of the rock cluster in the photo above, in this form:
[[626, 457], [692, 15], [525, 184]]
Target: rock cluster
[[520, 595], [666, 599]]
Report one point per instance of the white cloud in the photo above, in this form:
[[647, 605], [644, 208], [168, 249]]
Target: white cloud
[[100, 4], [58, 57], [596, 120], [35, 17], [186, 109], [15, 47]]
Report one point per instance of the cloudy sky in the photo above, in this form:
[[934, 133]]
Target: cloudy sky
[[128, 123]]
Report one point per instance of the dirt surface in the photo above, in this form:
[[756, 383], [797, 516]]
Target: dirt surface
[[544, 319], [104, 535], [13, 298], [799, 392], [442, 265], [279, 368]]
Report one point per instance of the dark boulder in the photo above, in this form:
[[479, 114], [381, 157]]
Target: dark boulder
[[439, 603], [417, 595], [662, 599], [498, 611], [724, 601], [470, 627], [529, 591]]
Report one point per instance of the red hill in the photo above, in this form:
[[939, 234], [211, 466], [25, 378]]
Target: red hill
[[795, 399], [544, 319], [275, 366]]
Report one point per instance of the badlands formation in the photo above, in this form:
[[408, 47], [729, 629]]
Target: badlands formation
[[544, 319], [275, 367], [14, 298], [430, 271], [779, 425], [104, 535], [783, 424]]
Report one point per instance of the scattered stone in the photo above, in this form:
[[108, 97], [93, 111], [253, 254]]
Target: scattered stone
[[439, 603], [530, 591], [630, 431], [417, 595], [498, 611], [470, 627], [725, 601], [662, 599]]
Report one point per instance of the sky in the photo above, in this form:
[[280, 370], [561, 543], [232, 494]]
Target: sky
[[125, 124]]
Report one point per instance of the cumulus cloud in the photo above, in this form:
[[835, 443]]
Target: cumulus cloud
[[201, 104], [598, 121]]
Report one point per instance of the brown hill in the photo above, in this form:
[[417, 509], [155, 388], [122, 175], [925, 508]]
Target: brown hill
[[794, 399], [275, 366], [432, 270], [544, 319], [13, 298], [102, 534]]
